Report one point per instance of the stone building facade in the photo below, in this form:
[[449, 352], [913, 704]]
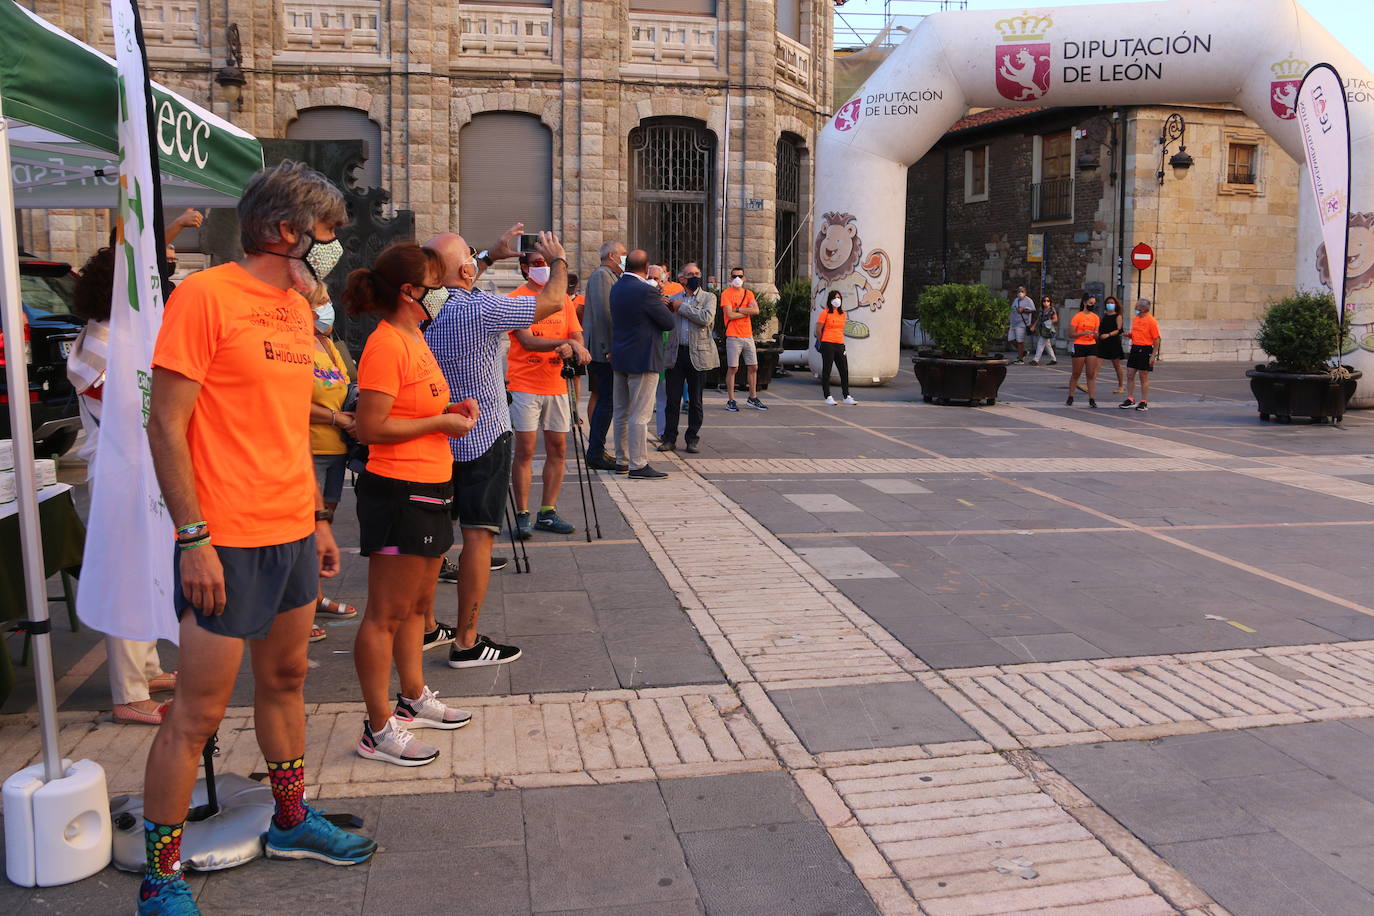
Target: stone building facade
[[1224, 233], [654, 113]]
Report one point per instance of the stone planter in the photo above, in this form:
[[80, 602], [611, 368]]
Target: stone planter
[[1285, 395], [974, 381]]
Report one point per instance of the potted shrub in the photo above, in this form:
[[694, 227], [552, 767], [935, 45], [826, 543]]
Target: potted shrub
[[1300, 332], [960, 319], [768, 348]]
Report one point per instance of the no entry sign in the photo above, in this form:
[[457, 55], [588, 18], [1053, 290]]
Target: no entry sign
[[1142, 256]]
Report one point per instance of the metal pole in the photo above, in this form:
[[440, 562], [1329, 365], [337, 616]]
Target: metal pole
[[21, 430]]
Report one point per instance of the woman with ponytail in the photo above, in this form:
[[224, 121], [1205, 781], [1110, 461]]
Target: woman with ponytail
[[830, 341], [405, 417]]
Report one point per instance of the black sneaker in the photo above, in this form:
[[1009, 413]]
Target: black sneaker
[[622, 469], [1127, 404], [1092, 403], [441, 635], [448, 571], [756, 403], [483, 652], [600, 462], [692, 448], [499, 563], [667, 445], [1142, 406], [731, 405], [1068, 402], [647, 473]]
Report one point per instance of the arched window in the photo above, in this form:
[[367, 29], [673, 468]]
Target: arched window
[[788, 197], [335, 123], [505, 175], [672, 191]]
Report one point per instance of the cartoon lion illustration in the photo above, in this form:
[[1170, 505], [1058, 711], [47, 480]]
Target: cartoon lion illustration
[[842, 265]]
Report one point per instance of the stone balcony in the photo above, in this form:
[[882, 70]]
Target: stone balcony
[[675, 41], [794, 65], [336, 27], [522, 32], [171, 28]]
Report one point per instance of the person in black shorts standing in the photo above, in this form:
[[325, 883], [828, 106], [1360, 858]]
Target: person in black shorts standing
[[1084, 327], [405, 417], [1145, 341]]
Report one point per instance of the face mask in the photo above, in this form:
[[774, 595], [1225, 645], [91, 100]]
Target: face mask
[[835, 303], [1111, 306], [433, 301], [736, 282], [693, 284], [322, 257], [622, 263], [653, 283], [324, 317], [539, 275]]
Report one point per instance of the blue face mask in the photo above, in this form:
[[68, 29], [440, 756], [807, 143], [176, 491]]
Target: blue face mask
[[1111, 306]]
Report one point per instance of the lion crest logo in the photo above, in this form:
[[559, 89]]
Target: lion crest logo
[[842, 265], [1023, 57], [847, 118], [1283, 90]]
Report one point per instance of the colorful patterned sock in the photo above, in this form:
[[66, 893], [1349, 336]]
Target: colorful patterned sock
[[164, 857], [288, 790]]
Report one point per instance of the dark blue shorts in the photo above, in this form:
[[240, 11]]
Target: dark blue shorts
[[260, 583]]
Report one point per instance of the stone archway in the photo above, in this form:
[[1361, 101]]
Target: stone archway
[[1246, 52]]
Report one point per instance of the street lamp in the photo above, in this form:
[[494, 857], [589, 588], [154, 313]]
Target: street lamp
[[230, 77], [1088, 160], [1180, 161]]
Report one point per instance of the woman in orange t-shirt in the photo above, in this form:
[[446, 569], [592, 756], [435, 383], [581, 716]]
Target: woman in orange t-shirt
[[405, 417], [830, 341], [1084, 327]]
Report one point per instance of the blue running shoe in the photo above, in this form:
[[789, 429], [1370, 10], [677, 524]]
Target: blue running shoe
[[317, 838], [550, 521], [524, 528], [173, 900]]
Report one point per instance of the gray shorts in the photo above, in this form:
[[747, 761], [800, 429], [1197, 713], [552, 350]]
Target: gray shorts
[[1017, 332], [260, 583], [740, 348]]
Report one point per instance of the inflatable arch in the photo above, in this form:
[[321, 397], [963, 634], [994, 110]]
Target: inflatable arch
[[1247, 52]]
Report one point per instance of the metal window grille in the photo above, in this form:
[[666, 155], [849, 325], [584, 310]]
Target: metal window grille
[[672, 184], [788, 202], [1052, 199]]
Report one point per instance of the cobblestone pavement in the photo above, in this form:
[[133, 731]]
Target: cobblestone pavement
[[892, 658]]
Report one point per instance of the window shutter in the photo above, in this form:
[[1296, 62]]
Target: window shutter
[[789, 18], [331, 123], [505, 176]]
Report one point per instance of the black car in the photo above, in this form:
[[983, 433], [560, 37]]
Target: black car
[[49, 331]]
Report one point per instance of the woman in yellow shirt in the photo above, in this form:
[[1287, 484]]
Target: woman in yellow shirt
[[328, 424], [1084, 327], [830, 341]]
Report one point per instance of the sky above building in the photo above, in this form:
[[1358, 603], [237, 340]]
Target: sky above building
[[1348, 20]]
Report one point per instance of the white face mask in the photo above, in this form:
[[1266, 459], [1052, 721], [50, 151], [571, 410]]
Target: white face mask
[[736, 282], [653, 283], [836, 302], [324, 318], [622, 263], [539, 275], [433, 301]]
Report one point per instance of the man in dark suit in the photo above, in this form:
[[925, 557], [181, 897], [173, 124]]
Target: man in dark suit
[[639, 316]]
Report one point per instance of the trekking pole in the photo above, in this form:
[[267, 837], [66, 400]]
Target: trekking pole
[[584, 476], [517, 547]]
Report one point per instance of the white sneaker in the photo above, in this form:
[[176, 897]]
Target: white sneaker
[[849, 400], [830, 400], [429, 712], [395, 744]]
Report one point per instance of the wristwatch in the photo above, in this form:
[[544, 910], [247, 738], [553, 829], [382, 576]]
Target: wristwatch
[[485, 257], [324, 515]]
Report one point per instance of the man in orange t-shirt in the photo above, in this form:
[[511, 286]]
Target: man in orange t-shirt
[[229, 430], [539, 400], [738, 305], [1145, 341]]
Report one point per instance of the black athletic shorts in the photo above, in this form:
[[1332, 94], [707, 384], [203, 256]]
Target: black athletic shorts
[[410, 516], [1084, 350], [260, 583], [1139, 358], [481, 486]]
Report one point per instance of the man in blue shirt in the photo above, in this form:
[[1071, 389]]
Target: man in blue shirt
[[464, 338]]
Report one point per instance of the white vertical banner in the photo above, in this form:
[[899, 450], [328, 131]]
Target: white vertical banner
[[1324, 120], [126, 575]]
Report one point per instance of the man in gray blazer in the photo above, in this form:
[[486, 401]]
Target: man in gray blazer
[[639, 316], [690, 354]]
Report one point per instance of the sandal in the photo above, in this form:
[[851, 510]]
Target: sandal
[[336, 609], [317, 633], [163, 682], [129, 714]]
